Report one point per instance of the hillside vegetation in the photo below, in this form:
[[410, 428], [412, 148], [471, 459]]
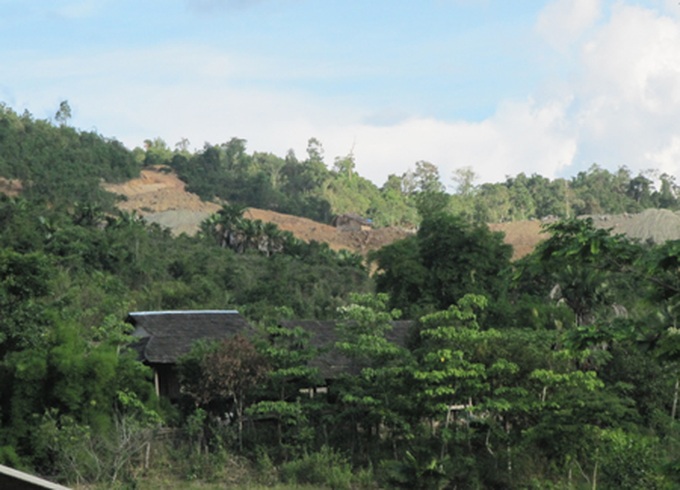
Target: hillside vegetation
[[160, 197], [558, 369], [312, 188]]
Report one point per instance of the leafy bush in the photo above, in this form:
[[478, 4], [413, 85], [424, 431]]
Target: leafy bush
[[630, 461], [327, 468]]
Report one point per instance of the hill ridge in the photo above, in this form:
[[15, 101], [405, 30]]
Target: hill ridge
[[159, 196]]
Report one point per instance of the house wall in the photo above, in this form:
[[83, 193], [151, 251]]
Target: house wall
[[167, 381], [11, 479], [351, 223]]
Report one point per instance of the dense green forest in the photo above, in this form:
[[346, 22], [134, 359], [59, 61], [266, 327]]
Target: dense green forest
[[311, 189], [59, 163], [559, 370]]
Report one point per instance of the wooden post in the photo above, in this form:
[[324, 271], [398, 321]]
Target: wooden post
[[675, 402], [147, 456]]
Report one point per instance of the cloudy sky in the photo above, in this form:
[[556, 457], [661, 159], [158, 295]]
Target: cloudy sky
[[534, 86]]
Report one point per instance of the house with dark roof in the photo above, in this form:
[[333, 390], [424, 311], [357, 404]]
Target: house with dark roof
[[352, 222], [165, 336], [11, 479], [331, 362]]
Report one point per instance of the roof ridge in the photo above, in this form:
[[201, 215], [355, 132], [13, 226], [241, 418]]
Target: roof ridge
[[182, 312]]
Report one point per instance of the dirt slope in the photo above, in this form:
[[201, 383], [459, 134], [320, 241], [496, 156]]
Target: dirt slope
[[522, 235], [653, 225], [160, 197], [157, 191], [10, 187]]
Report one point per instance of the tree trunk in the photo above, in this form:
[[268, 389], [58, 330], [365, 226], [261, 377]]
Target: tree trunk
[[675, 402], [239, 415]]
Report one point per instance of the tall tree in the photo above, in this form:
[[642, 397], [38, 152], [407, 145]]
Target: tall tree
[[447, 259], [288, 352], [374, 393], [221, 376], [63, 113]]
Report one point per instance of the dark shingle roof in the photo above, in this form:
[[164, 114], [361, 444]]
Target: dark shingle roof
[[350, 218], [331, 362], [165, 336]]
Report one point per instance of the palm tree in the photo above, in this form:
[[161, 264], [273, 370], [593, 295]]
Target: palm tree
[[124, 219], [231, 230], [253, 234], [231, 214], [209, 228], [87, 214], [275, 238], [223, 226]]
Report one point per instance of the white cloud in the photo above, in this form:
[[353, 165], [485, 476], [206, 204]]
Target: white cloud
[[666, 159], [618, 106], [79, 9], [635, 58], [192, 92], [563, 22], [207, 6], [628, 90], [521, 136]]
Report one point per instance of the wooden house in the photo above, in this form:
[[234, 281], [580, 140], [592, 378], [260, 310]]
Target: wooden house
[[165, 336], [331, 362], [11, 479], [352, 222]]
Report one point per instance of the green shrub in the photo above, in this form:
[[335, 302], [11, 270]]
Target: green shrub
[[327, 468], [9, 457], [630, 461]]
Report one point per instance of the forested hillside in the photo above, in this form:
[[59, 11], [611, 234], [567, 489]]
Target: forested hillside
[[317, 189], [58, 164], [559, 370], [55, 161]]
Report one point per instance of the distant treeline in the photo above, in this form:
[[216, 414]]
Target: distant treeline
[[57, 163], [559, 370], [311, 189]]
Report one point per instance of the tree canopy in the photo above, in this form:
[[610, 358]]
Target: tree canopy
[[559, 370]]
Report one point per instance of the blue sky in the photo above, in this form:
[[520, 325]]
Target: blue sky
[[546, 87]]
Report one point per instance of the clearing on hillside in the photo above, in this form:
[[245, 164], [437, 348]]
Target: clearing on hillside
[[161, 197]]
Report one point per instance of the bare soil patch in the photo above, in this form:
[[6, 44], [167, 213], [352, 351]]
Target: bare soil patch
[[161, 197], [651, 225], [10, 187], [522, 235], [305, 229], [156, 191]]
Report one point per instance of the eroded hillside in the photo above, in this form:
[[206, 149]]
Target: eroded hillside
[[160, 197]]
